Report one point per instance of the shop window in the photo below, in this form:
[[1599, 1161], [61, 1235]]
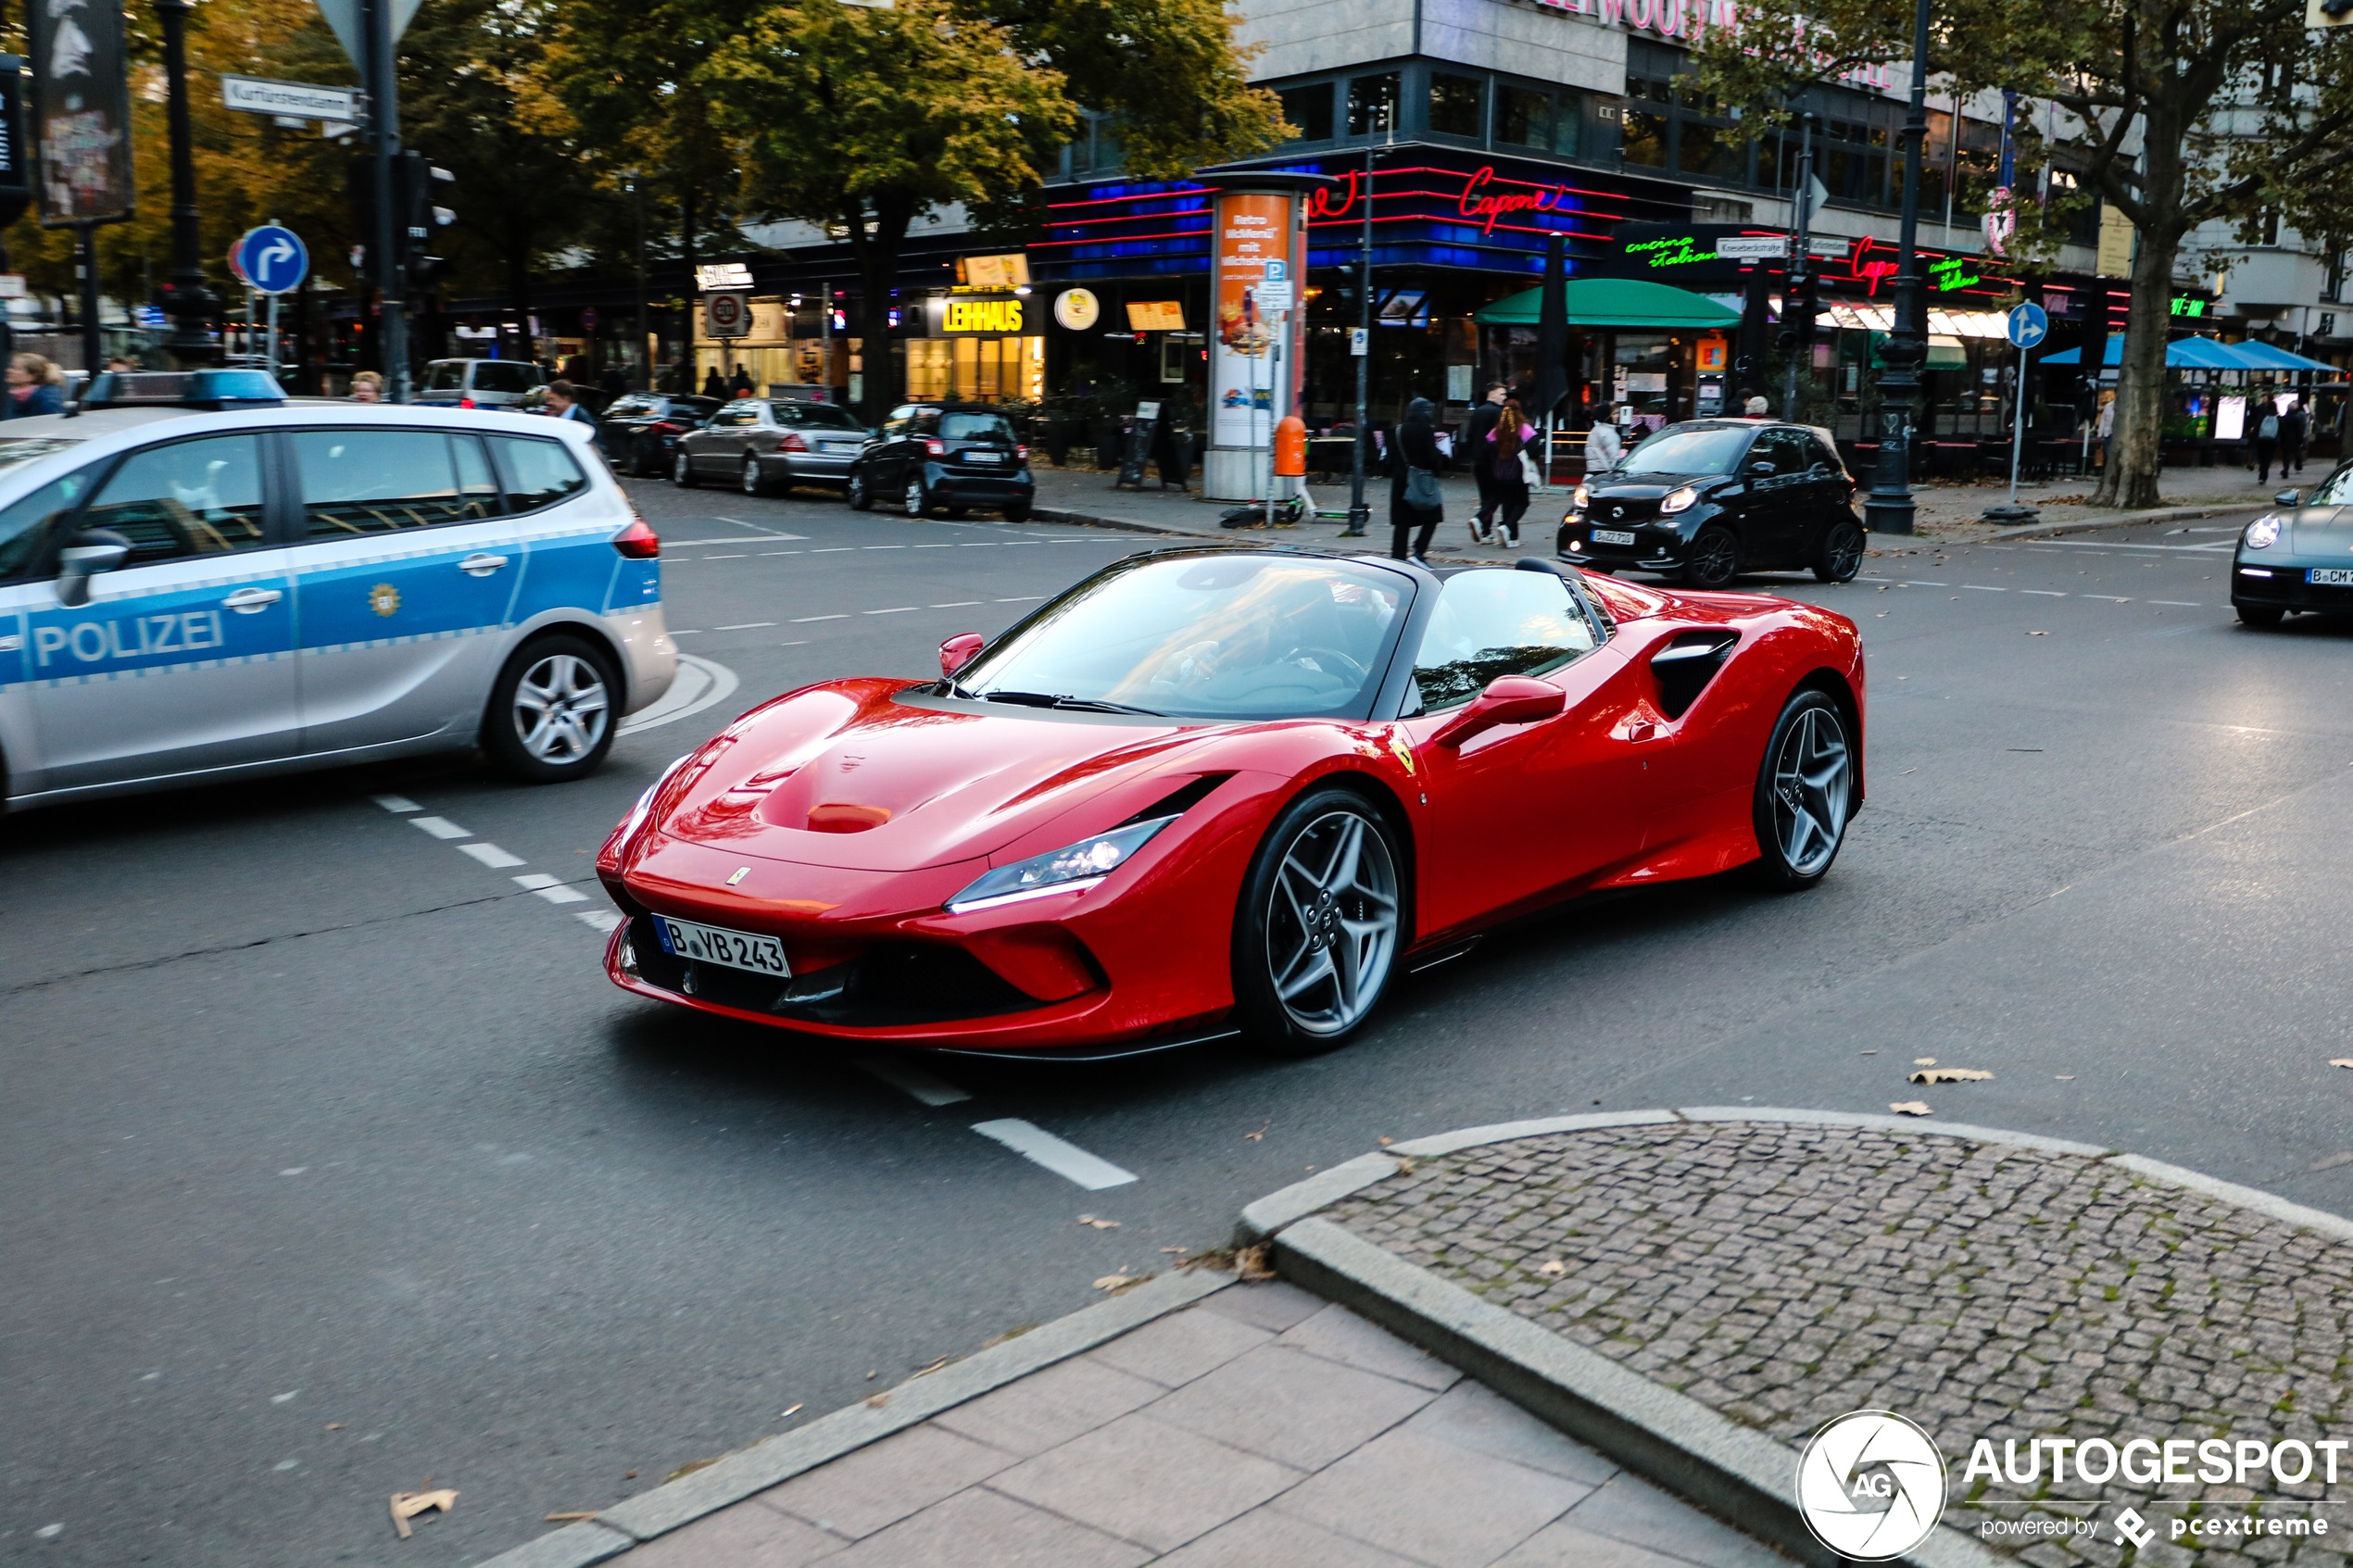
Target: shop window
[[1529, 116], [1309, 111], [1457, 105], [1711, 150], [1645, 137], [1372, 104]]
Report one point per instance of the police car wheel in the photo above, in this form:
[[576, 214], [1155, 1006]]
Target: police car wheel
[[861, 498], [553, 713], [682, 472]]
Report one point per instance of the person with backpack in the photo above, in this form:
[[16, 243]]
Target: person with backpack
[[2266, 441], [1509, 469]]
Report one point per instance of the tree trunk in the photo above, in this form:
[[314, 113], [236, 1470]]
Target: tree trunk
[[2137, 460], [875, 244]]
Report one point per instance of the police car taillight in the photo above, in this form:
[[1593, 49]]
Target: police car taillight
[[465, 402], [639, 541]]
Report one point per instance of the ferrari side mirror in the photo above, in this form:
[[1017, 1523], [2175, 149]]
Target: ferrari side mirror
[[1508, 700], [957, 652], [2286, 498], [86, 554]]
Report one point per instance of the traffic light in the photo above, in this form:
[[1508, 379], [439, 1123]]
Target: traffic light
[[1801, 306]]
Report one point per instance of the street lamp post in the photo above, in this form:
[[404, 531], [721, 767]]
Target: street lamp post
[[185, 299], [1359, 514], [1889, 507]]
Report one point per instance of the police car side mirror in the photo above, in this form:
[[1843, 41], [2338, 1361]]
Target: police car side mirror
[[86, 554], [2286, 498]]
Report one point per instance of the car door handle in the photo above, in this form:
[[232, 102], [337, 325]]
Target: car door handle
[[253, 601], [481, 564]]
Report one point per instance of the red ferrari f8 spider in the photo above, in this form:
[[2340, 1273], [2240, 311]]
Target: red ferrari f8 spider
[[1221, 790]]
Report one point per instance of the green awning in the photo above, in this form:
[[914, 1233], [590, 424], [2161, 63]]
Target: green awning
[[1944, 353], [1615, 302]]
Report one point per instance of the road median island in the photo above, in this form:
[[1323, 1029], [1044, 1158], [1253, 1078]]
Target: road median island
[[1698, 1293]]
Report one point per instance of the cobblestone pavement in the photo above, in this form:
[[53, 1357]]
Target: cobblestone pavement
[[1785, 1275], [1259, 1429]]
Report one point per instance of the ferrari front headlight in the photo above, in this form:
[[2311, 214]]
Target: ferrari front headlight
[[1061, 871], [1677, 500], [2263, 532]]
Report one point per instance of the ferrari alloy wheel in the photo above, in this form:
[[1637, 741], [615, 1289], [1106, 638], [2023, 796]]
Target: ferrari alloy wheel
[[552, 713], [1805, 793], [1841, 555], [682, 472], [860, 499], [1320, 925], [916, 500], [1712, 560], [2260, 616]]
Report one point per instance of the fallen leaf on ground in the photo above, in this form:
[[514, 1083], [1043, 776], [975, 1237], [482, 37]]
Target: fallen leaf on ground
[[1951, 1075], [631, 1476], [1923, 1061], [2332, 1161], [1386, 1140], [2064, 1078], [1404, 1167], [934, 1367], [1099, 1224], [569, 1518], [1179, 1250], [1870, 1053], [2038, 634], [1113, 1282], [1553, 1269], [334, 1426], [794, 1411], [1260, 1136], [408, 1505], [2340, 1061], [878, 1400], [694, 1464], [1252, 1263], [1910, 1108]]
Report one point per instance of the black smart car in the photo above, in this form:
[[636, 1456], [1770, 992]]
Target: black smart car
[[642, 429], [957, 457], [1710, 498]]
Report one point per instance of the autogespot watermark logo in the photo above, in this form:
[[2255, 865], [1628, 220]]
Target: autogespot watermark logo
[[1871, 1486]]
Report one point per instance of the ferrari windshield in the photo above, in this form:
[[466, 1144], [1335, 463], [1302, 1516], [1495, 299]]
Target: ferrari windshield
[[1687, 451], [1233, 637]]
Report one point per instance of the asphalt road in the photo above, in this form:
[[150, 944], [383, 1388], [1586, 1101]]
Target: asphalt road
[[331, 1164]]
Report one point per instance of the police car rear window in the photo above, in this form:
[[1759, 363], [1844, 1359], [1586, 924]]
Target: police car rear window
[[539, 474]]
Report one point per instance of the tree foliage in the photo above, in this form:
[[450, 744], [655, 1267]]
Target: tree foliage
[[2178, 113]]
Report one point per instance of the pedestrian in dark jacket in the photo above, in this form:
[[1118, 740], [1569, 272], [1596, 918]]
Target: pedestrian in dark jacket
[[713, 385], [2295, 425], [35, 387], [1500, 457], [564, 402], [741, 385], [2266, 441], [1415, 463], [1475, 433]]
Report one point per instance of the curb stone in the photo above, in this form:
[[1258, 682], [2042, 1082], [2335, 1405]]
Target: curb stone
[[739, 1475], [1666, 1436], [2119, 520]]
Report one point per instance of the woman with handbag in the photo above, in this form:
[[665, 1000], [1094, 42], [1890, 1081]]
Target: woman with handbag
[[1511, 471], [1415, 463]]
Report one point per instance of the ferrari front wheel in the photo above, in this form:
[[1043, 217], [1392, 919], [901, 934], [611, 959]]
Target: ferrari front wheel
[[1320, 924], [1805, 793]]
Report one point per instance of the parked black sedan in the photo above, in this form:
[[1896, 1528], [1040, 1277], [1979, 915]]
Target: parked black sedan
[[958, 456], [642, 429], [2299, 557], [1708, 499]]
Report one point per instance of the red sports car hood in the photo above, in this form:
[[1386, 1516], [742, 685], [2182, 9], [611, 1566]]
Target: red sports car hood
[[842, 775]]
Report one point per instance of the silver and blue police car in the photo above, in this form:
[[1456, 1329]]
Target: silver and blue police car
[[201, 579]]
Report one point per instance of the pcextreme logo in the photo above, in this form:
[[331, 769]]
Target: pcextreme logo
[[1871, 1486]]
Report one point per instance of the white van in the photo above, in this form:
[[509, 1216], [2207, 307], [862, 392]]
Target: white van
[[478, 383]]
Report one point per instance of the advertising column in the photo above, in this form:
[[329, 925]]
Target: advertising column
[[1253, 361]]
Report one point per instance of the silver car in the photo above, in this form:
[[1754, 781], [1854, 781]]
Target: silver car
[[764, 445], [478, 383], [193, 594]]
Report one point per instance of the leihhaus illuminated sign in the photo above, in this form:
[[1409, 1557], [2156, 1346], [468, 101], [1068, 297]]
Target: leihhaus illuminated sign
[[999, 315]]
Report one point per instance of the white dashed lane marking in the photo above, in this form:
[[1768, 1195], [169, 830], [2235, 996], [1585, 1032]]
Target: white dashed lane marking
[[1066, 1159], [490, 855], [440, 827], [553, 889], [747, 626], [547, 887], [396, 803]]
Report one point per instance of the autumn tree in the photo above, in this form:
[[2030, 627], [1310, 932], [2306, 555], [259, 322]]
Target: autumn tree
[[2179, 113]]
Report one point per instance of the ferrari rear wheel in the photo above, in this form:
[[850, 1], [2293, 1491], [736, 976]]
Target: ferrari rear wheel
[[1320, 924], [1805, 793]]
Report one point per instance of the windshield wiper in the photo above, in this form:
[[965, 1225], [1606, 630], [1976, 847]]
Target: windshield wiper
[[1070, 703]]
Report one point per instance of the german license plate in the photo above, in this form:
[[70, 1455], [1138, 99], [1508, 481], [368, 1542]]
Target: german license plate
[[2339, 576], [1612, 536], [736, 950], [984, 458]]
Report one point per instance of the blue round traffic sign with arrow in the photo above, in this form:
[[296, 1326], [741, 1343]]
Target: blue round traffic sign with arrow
[[271, 258], [2029, 325]]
